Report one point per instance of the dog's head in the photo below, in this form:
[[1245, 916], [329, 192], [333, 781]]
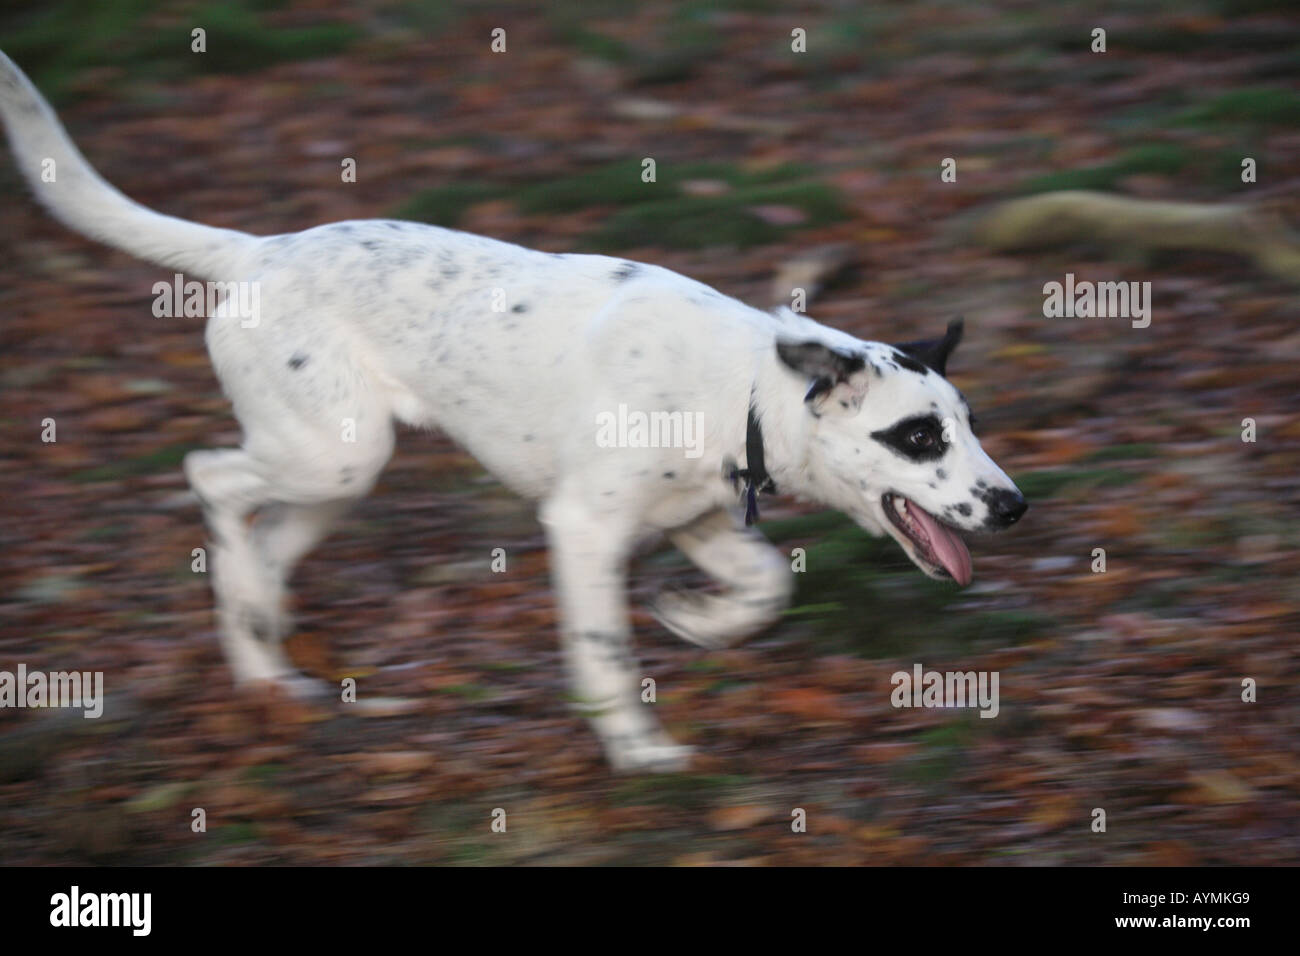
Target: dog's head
[[892, 446]]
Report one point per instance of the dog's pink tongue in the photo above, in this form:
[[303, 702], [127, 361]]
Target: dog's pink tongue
[[948, 548]]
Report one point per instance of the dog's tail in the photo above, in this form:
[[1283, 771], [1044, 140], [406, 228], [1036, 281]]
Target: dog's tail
[[67, 185]]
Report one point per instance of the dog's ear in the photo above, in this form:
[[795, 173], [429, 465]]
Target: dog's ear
[[935, 352], [828, 368]]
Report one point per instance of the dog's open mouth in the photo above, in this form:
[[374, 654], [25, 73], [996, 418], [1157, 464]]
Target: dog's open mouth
[[933, 542]]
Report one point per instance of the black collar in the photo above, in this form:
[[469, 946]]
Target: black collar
[[754, 474]]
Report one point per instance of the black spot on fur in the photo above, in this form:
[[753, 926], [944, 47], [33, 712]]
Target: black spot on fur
[[911, 364], [624, 272], [670, 474], [943, 475], [298, 360], [258, 625], [964, 509], [519, 307]]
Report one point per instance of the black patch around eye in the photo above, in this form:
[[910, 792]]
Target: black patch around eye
[[909, 363], [896, 438]]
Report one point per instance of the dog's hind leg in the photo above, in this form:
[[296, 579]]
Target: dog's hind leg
[[251, 563], [756, 579], [283, 533], [230, 486], [589, 556]]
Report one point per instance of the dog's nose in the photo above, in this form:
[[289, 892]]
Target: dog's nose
[[1006, 507]]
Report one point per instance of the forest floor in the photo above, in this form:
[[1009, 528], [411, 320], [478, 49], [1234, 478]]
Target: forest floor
[[1120, 690]]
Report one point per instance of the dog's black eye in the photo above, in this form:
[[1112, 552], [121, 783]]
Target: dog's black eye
[[919, 438]]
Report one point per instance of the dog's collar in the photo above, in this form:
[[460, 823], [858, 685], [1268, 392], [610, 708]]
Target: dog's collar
[[754, 474]]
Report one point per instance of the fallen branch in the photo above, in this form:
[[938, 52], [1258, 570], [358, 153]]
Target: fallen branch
[[1079, 216]]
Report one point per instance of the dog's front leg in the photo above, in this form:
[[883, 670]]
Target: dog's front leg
[[756, 580], [589, 563]]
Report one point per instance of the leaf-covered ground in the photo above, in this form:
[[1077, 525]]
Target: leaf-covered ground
[[1120, 690]]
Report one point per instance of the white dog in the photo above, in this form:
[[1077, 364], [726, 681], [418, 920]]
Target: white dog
[[528, 359]]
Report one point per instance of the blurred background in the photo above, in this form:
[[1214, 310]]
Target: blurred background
[[1119, 690]]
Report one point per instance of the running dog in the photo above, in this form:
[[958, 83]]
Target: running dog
[[523, 357]]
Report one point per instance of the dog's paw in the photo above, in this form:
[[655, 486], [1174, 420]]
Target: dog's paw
[[693, 618], [650, 756], [306, 689], [289, 684]]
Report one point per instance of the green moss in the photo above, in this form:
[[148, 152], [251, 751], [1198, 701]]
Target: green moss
[[1261, 106], [470, 691], [238, 40], [1046, 484], [444, 205], [265, 774], [597, 44], [727, 220], [164, 459], [57, 41], [1124, 452], [940, 753], [1160, 159], [690, 791], [620, 184], [861, 595], [230, 834], [657, 213]]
